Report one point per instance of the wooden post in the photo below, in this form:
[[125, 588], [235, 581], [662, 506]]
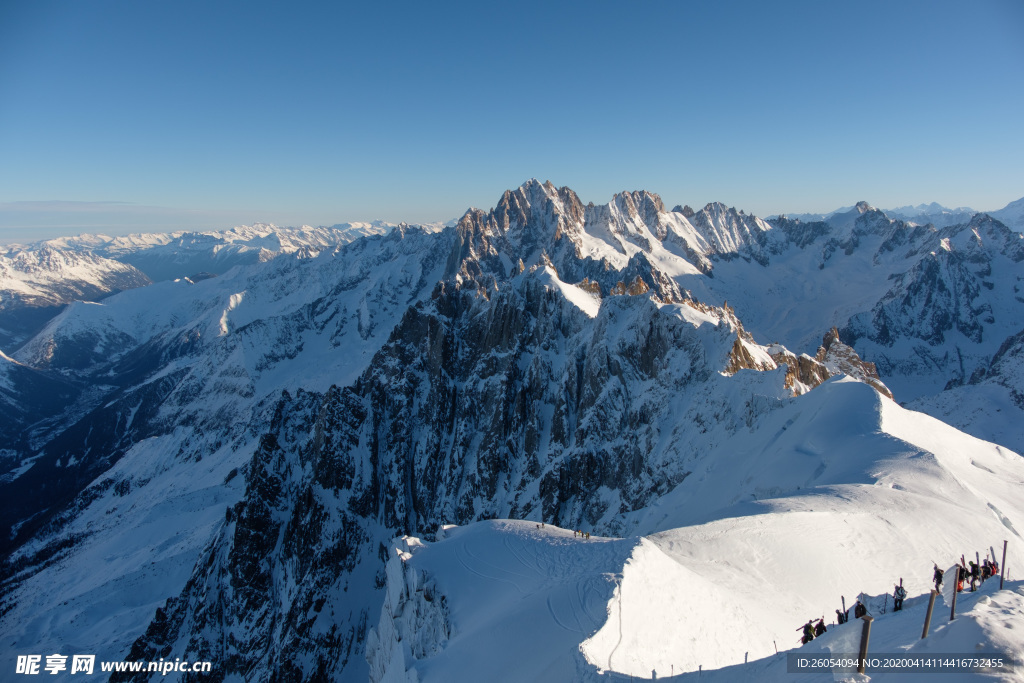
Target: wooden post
[[1002, 567], [956, 585], [865, 636], [928, 616]]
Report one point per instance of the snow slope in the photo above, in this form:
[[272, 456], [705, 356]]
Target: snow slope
[[771, 530], [48, 276], [160, 453], [1011, 215], [36, 282]]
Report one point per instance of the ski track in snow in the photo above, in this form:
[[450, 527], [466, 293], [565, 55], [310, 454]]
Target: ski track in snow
[[1004, 520]]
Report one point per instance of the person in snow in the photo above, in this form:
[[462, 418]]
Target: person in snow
[[961, 576], [808, 630], [986, 569], [840, 617], [898, 596], [937, 578], [819, 628], [975, 575], [859, 610]]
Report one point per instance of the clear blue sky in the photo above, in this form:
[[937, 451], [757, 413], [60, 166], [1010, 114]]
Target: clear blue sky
[[178, 114]]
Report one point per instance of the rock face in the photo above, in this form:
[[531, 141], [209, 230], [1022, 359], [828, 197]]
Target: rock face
[[803, 372], [512, 404], [286, 421], [497, 396], [414, 622], [838, 357]]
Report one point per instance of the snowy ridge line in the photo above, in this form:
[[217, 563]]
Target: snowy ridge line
[[454, 579]]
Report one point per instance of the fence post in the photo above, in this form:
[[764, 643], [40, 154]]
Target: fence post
[[865, 636], [1002, 567], [928, 616], [956, 586]]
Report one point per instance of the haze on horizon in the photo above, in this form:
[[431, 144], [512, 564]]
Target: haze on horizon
[[124, 117]]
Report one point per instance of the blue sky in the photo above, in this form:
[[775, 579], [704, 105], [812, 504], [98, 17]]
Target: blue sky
[[118, 116]]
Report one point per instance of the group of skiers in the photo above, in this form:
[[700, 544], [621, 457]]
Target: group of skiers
[[576, 533], [812, 630], [968, 571], [859, 610]]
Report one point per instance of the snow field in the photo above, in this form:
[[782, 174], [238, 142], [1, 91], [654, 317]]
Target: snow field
[[523, 600], [833, 494]]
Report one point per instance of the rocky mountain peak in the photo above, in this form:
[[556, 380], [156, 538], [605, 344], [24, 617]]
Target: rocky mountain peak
[[643, 204], [536, 212], [838, 357]]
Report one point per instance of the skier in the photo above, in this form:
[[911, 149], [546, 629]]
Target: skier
[[897, 597], [986, 570], [840, 617], [819, 628], [961, 576], [937, 578], [975, 575], [859, 610], [808, 630]]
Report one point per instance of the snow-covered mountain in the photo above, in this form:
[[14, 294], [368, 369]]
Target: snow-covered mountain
[[928, 306], [933, 214], [36, 282], [707, 393], [173, 255], [1011, 215]]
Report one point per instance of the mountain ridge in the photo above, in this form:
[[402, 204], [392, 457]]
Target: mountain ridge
[[265, 434]]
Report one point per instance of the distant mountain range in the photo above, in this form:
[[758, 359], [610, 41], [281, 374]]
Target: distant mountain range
[[328, 455], [1012, 215], [37, 280]]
